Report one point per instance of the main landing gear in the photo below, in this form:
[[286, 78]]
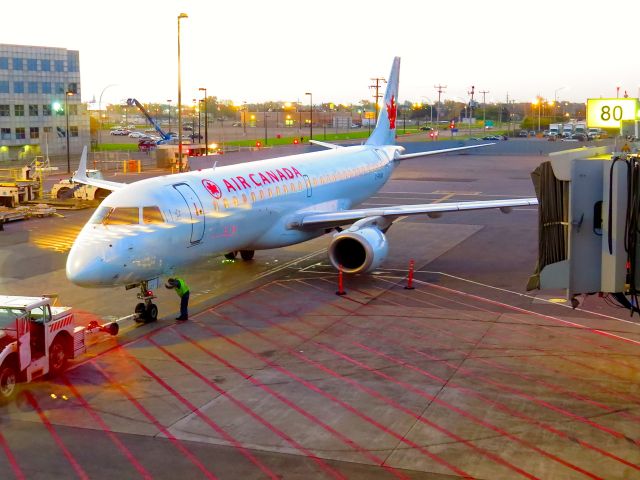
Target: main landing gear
[[246, 255], [146, 311]]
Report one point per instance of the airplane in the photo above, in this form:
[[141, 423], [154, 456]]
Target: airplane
[[157, 226]]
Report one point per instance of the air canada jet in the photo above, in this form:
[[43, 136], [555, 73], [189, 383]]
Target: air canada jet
[[156, 226]]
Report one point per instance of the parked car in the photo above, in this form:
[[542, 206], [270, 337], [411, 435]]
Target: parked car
[[236, 124], [119, 132], [532, 133], [137, 135], [196, 136], [187, 128], [581, 137], [553, 136], [425, 128], [523, 133]]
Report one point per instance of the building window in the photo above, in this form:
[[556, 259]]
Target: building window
[[45, 65], [5, 134], [32, 64], [72, 61], [32, 87], [33, 110], [46, 129], [46, 87], [4, 111], [46, 110], [34, 132], [73, 131], [18, 87], [17, 64], [73, 109], [73, 88], [58, 65], [20, 133], [59, 87], [18, 110], [4, 63], [4, 86]]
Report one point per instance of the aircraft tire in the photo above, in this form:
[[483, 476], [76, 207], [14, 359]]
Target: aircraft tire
[[247, 254], [141, 312], [151, 315], [230, 255]]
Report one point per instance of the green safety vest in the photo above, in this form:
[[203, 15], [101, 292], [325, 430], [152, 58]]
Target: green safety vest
[[182, 287]]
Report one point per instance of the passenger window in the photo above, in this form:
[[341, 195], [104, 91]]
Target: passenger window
[[235, 201], [123, 216], [315, 182], [253, 197], [226, 203], [244, 198], [261, 194], [277, 191], [216, 207], [270, 192], [151, 215], [286, 190]]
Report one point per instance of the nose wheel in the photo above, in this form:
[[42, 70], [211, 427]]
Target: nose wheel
[[146, 311]]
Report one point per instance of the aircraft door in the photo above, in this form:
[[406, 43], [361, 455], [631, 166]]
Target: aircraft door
[[307, 182], [195, 209], [24, 341]]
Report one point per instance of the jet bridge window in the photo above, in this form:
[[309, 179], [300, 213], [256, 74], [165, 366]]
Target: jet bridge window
[[152, 215]]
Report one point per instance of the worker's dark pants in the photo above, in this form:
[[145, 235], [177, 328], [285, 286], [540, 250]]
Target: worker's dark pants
[[184, 303]]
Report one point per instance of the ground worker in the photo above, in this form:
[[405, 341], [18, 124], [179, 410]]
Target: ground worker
[[183, 292]]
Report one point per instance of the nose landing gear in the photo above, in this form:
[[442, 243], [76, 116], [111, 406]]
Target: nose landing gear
[[146, 311]]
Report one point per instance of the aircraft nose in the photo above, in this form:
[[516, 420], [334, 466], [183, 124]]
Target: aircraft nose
[[86, 269]]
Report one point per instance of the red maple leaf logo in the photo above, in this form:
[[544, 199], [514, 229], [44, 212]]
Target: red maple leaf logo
[[212, 188], [392, 110]]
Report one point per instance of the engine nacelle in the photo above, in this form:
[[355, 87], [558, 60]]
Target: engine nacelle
[[358, 250]]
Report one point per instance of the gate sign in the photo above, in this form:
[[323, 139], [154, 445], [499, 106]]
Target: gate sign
[[609, 112]]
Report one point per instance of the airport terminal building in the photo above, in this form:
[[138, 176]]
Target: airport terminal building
[[40, 94]]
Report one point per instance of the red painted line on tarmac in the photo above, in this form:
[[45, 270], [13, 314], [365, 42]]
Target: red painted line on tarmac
[[328, 469], [380, 396], [531, 312], [334, 399], [502, 367], [105, 428], [346, 440], [12, 459], [466, 372], [156, 423], [266, 470], [45, 421]]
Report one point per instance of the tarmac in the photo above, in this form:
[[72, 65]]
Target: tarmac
[[466, 375]]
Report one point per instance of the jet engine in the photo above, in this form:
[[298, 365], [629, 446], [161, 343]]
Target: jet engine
[[360, 248]]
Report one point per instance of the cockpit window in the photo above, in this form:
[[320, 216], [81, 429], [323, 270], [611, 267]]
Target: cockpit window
[[100, 214], [116, 216], [152, 215], [123, 216]]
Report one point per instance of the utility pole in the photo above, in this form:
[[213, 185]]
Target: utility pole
[[377, 95], [439, 89], [471, 106], [484, 109]]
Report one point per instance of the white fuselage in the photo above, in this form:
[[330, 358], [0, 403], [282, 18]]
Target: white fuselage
[[187, 217]]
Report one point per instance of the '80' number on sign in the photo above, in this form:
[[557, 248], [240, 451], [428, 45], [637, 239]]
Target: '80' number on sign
[[607, 113]]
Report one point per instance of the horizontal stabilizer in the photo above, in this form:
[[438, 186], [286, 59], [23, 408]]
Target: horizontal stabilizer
[[325, 144]]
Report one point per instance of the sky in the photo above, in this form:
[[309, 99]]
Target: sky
[[258, 50]]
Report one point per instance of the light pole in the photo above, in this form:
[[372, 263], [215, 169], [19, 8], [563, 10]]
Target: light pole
[[244, 117], [100, 110], [66, 113], [206, 120], [182, 15], [310, 114]]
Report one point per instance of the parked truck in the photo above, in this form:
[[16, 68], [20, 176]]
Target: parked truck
[[37, 338], [567, 130], [68, 189], [581, 127], [555, 128]]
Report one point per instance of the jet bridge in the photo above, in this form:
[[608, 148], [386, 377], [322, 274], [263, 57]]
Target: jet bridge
[[588, 224]]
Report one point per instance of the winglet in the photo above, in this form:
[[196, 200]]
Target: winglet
[[81, 174]]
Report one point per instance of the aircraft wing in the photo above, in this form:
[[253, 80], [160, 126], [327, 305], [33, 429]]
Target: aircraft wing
[[391, 213], [81, 176], [443, 150], [325, 144]]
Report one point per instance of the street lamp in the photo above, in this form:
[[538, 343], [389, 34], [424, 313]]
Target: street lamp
[[206, 119], [310, 114], [169, 102], [182, 15], [66, 113], [100, 110]]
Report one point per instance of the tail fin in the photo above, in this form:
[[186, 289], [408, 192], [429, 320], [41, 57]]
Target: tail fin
[[385, 131]]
